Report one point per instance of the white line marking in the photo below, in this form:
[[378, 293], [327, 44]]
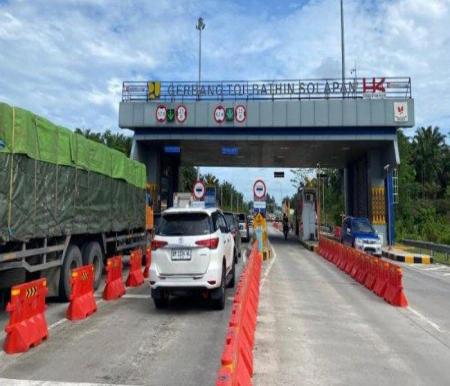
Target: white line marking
[[446, 274], [425, 319], [136, 296], [268, 268], [22, 382], [435, 268]]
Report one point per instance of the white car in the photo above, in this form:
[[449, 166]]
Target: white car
[[192, 251]]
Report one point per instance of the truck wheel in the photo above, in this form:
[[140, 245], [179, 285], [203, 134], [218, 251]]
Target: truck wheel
[[93, 254], [72, 260], [218, 294]]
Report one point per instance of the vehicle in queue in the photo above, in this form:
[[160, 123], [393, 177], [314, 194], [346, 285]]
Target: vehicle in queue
[[359, 233], [233, 225], [192, 252], [65, 208], [243, 227]]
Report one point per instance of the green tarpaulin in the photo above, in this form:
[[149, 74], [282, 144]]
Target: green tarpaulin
[[54, 182], [23, 132]]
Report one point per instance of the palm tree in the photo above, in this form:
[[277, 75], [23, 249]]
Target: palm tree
[[210, 180], [429, 146]]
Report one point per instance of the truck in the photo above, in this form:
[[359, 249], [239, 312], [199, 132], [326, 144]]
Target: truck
[[65, 201]]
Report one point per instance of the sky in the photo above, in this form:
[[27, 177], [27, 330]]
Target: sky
[[66, 59]]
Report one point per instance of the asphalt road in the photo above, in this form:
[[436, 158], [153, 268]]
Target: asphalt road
[[127, 341], [317, 326]]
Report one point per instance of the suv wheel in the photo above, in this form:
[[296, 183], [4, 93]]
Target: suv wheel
[[233, 277], [160, 298], [218, 294]]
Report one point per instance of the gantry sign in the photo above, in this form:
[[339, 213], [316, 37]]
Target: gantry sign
[[358, 102]]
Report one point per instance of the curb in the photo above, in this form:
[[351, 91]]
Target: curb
[[309, 247], [409, 259]]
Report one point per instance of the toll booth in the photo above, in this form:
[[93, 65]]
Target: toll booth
[[307, 214]]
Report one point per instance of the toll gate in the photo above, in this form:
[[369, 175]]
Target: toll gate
[[350, 125]]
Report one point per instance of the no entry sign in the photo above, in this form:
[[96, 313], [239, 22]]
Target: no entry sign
[[199, 190], [219, 114], [259, 190]]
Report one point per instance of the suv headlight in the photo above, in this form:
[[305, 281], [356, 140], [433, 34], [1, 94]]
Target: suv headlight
[[359, 242]]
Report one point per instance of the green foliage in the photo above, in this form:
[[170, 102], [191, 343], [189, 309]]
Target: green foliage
[[423, 211]]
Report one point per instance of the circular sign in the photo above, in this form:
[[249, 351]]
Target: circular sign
[[181, 113], [199, 190], [219, 114], [161, 113], [259, 189], [240, 113]]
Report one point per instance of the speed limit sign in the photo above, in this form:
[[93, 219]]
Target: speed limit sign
[[161, 113], [219, 114], [240, 112], [181, 113]]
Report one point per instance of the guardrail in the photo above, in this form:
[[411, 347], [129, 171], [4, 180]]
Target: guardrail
[[429, 246], [327, 88]]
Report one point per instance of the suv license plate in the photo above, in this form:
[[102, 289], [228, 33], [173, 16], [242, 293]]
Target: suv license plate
[[181, 254]]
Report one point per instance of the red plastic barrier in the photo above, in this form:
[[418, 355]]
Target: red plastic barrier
[[114, 288], [135, 277], [384, 279], [395, 294], [27, 326], [237, 357], [148, 261], [82, 301], [337, 232]]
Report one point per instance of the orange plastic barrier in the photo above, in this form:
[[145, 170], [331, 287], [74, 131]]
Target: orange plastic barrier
[[383, 278], [135, 276], [27, 326], [148, 261], [237, 357], [82, 301], [114, 287]]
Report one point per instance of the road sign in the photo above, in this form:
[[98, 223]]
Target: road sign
[[199, 190], [161, 113], [219, 114], [181, 113], [210, 197], [259, 204], [259, 190], [278, 174], [230, 150], [170, 115], [400, 111], [229, 114], [240, 113]]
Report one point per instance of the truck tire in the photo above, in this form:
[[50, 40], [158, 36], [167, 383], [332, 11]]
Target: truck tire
[[71, 261], [93, 254]]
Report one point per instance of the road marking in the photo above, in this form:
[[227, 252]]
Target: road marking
[[425, 319], [136, 296], [23, 382], [268, 268], [446, 274], [435, 268]]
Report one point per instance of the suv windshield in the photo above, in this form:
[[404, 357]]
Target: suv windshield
[[184, 224], [362, 226]]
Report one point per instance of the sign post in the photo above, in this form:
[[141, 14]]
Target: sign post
[[259, 196]]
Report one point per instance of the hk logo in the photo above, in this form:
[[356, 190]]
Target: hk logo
[[400, 109], [374, 86]]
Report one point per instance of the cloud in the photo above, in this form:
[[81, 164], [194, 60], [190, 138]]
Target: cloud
[[66, 59]]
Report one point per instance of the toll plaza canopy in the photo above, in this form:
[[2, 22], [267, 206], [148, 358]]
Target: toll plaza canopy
[[349, 124]]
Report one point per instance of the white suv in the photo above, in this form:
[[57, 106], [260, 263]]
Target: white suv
[[192, 251]]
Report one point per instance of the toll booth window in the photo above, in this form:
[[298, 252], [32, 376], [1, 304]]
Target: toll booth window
[[184, 224]]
